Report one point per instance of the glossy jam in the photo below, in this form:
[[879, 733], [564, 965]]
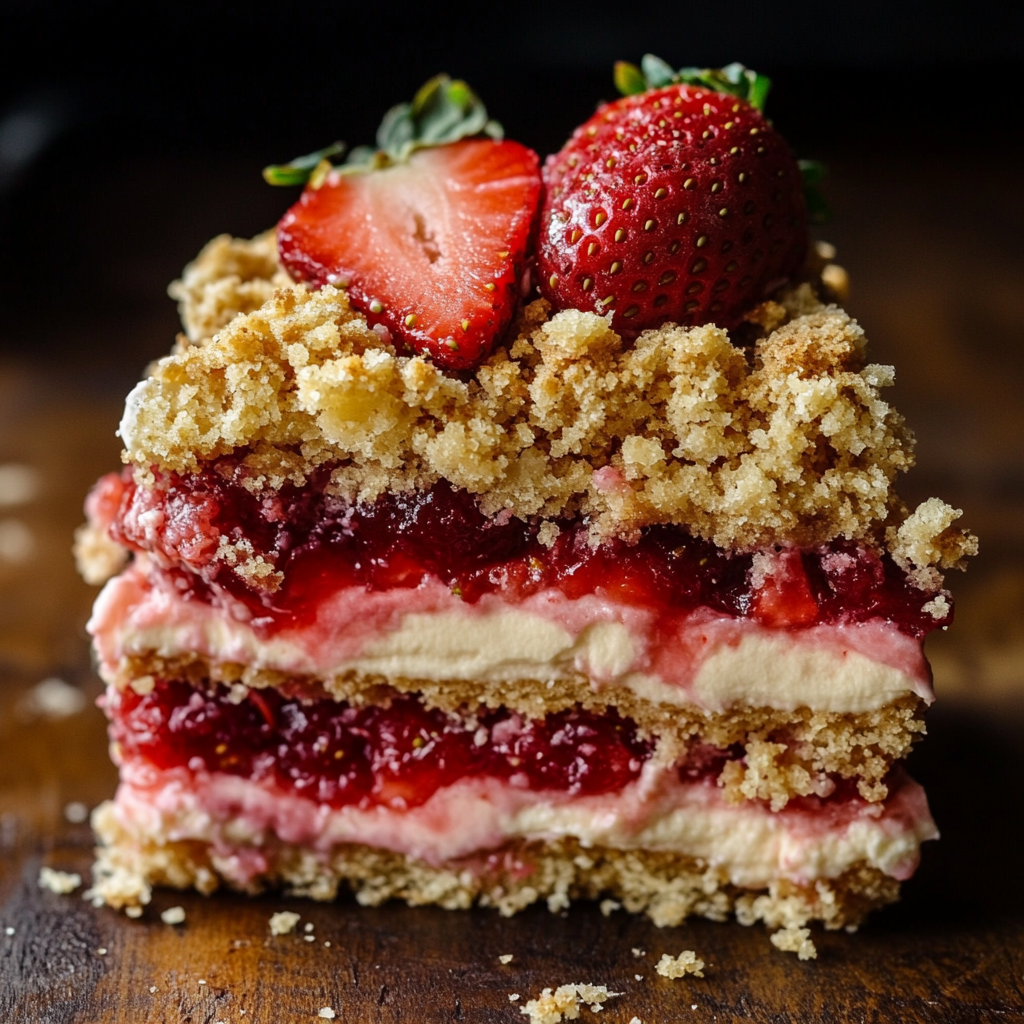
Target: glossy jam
[[319, 543], [396, 755]]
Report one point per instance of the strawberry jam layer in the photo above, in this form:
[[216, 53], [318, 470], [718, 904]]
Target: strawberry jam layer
[[288, 550], [397, 756]]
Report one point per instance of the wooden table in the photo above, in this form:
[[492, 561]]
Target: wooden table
[[940, 294]]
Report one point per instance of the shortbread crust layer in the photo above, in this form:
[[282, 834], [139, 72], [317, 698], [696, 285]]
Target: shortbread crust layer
[[666, 885]]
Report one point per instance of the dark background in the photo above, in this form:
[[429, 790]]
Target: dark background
[[129, 134]]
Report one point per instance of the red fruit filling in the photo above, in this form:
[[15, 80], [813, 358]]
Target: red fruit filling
[[398, 755], [320, 543]]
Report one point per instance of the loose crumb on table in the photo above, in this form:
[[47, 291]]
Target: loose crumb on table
[[283, 922], [793, 939], [551, 1006], [59, 882], [679, 966]]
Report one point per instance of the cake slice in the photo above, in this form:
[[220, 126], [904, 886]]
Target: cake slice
[[600, 603]]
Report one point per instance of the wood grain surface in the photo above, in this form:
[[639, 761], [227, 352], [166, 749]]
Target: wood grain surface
[[942, 299]]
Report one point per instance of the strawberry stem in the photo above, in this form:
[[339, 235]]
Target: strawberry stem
[[442, 111], [654, 73], [301, 169]]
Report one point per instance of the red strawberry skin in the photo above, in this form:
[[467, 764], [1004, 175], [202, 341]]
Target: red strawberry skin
[[432, 248], [679, 204]]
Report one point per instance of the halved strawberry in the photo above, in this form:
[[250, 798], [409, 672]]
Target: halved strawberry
[[428, 233], [432, 248]]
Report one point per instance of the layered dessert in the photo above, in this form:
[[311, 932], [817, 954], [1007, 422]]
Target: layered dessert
[[496, 535]]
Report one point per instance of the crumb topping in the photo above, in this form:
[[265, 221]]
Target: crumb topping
[[789, 443], [230, 276]]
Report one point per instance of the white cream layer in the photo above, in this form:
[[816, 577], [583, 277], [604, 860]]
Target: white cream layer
[[428, 633], [749, 844]]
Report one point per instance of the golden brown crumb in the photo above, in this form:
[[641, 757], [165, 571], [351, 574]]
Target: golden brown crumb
[[786, 753], [565, 1001], [793, 939], [679, 966], [795, 446], [283, 922], [59, 882], [230, 276], [837, 280], [927, 539], [97, 556]]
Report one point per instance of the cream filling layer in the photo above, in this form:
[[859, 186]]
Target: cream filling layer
[[747, 844], [428, 633]]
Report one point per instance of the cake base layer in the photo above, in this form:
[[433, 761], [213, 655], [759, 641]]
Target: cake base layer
[[668, 887]]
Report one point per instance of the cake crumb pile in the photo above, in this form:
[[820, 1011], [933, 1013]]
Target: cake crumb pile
[[564, 1002], [679, 966], [791, 443], [793, 939]]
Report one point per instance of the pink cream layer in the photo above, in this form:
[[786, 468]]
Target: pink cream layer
[[141, 613], [241, 819]]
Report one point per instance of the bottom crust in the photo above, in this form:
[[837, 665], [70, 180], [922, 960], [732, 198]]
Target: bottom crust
[[666, 886]]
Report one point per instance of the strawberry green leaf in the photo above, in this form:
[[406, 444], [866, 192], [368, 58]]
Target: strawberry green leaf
[[759, 87], [813, 173], [361, 156], [299, 170], [629, 79], [442, 111], [654, 73]]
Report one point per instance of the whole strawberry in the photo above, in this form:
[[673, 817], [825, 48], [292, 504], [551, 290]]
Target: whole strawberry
[[428, 234], [679, 202]]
